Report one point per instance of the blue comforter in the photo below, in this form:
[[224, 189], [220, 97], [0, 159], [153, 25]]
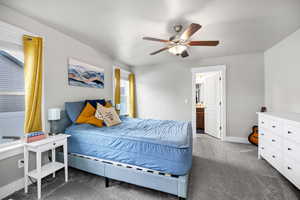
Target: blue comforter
[[161, 145]]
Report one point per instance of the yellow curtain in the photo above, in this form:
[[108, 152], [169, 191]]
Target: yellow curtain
[[117, 86], [33, 66], [132, 106]]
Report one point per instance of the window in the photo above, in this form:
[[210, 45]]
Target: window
[[12, 100], [124, 106]]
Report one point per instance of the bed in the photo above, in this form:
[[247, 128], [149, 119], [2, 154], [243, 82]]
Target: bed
[[151, 153]]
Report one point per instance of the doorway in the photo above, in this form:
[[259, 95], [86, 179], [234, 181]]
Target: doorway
[[208, 107]]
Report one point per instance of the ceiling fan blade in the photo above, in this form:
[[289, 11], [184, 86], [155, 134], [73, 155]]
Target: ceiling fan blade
[[203, 43], [155, 39], [184, 54], [193, 28], [160, 50]]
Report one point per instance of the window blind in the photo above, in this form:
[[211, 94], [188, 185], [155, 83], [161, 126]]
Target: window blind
[[11, 85], [12, 103]]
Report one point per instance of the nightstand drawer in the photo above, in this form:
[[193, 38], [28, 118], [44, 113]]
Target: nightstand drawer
[[51, 145]]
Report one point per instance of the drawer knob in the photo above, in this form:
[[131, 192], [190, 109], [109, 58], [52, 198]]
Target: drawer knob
[[273, 140], [262, 134], [262, 122], [54, 143], [273, 156], [289, 132], [289, 168], [273, 126], [289, 149], [262, 147]]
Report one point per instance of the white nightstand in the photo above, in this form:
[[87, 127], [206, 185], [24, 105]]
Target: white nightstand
[[50, 143]]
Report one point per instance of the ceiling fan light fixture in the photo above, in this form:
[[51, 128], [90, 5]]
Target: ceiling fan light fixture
[[178, 44], [178, 49]]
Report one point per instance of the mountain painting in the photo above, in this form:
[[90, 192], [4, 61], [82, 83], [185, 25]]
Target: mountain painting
[[84, 75]]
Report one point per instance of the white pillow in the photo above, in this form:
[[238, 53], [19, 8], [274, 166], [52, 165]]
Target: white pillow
[[98, 114], [109, 115]]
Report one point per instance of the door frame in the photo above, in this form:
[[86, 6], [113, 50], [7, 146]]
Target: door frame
[[222, 70]]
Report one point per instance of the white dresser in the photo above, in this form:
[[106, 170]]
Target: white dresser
[[279, 143]]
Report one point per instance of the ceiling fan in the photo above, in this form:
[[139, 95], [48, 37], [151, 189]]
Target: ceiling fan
[[179, 43]]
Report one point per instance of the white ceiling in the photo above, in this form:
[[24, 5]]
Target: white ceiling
[[116, 27]]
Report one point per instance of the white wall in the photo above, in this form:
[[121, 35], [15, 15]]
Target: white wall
[[282, 75], [163, 88], [57, 49]]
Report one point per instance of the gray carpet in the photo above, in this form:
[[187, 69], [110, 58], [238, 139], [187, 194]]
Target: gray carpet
[[221, 171]]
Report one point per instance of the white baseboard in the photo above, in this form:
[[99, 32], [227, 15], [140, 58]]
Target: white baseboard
[[237, 140], [12, 187]]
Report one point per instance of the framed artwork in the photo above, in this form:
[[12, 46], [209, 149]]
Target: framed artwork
[[85, 75]]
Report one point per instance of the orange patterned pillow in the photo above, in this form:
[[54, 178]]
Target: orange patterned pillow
[[87, 116]]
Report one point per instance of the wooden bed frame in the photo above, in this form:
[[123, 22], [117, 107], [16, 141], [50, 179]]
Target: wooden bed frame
[[173, 184]]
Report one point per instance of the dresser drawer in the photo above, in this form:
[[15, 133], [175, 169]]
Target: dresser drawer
[[263, 122], [291, 150], [262, 147], [292, 132], [261, 134], [273, 140], [291, 170], [274, 158], [276, 126], [272, 124]]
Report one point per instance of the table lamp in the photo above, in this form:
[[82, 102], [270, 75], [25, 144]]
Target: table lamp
[[53, 115]]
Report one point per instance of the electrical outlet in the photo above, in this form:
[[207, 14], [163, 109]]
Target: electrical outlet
[[20, 163]]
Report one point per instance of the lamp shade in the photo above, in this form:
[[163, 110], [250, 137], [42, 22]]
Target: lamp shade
[[54, 114]]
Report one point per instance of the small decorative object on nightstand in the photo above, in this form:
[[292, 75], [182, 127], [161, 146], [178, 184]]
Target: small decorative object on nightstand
[[50, 143], [53, 115], [35, 136]]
